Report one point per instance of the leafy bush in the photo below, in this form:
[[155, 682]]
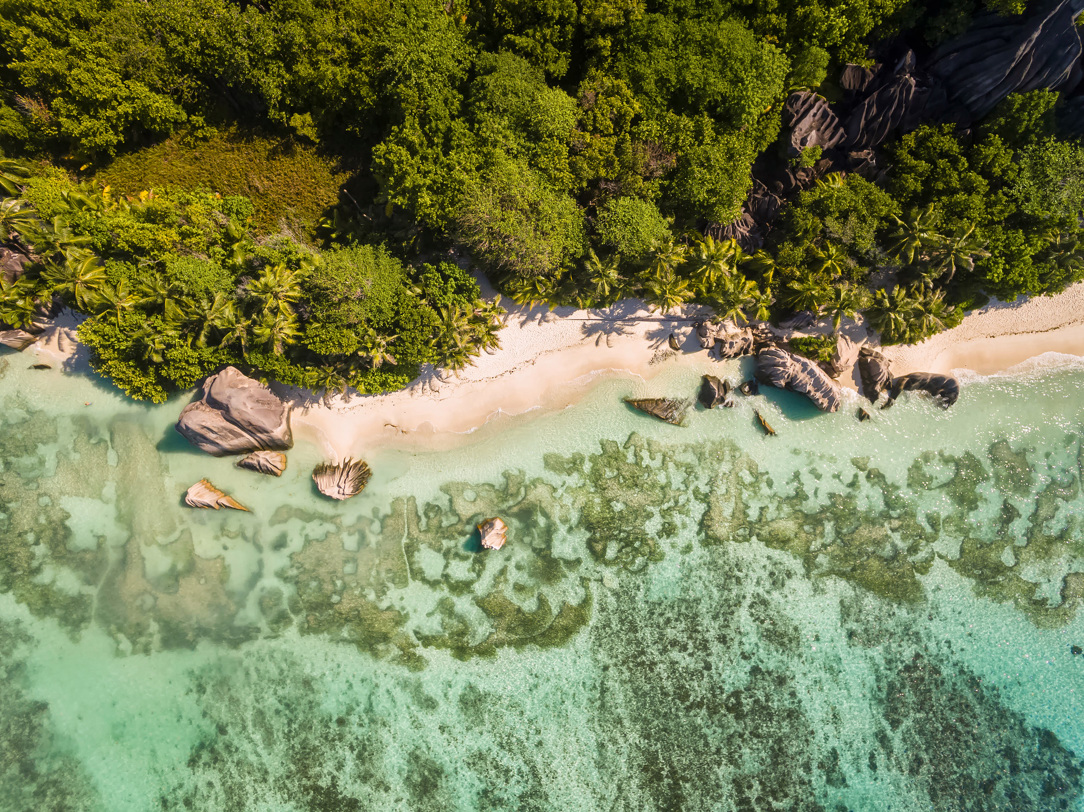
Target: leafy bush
[[632, 226]]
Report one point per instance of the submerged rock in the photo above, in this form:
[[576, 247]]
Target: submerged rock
[[235, 414], [874, 370], [750, 387], [264, 462], [785, 370], [863, 415], [713, 391], [671, 410], [764, 424], [493, 532], [205, 495], [341, 480], [944, 388], [41, 366]]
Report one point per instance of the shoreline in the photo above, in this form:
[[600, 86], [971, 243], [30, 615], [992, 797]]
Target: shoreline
[[548, 360]]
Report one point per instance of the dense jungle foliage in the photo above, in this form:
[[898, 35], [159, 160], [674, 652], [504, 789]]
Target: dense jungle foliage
[[279, 183]]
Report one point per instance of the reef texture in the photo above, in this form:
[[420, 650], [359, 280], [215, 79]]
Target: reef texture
[[235, 414]]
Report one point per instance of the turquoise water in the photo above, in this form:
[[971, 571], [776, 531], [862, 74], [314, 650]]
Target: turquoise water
[[843, 617]]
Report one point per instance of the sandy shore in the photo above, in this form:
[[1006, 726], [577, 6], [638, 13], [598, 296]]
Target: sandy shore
[[549, 359]]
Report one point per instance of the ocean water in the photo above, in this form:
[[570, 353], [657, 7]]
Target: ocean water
[[847, 616]]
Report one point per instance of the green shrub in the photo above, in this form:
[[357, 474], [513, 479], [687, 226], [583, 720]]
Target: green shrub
[[632, 226]]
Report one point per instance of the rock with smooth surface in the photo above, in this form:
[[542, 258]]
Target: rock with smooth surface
[[713, 391], [12, 264], [764, 424], [944, 388], [672, 410], [812, 123], [875, 372], [844, 357], [17, 339], [341, 480], [785, 370], [493, 533], [272, 463], [235, 414], [205, 495]]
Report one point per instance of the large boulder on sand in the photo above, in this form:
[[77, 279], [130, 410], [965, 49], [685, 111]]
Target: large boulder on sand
[[17, 339], [272, 463], [875, 373], [785, 370], [944, 388], [844, 356], [235, 414], [341, 480]]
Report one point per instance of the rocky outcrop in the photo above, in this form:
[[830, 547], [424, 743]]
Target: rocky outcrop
[[944, 388], [844, 357], [12, 264], [205, 495], [675, 345], [341, 480], [730, 340], [713, 391], [785, 370], [874, 370], [235, 414], [900, 105], [855, 79], [17, 339], [272, 463], [863, 415], [671, 410], [997, 56], [493, 533], [812, 122]]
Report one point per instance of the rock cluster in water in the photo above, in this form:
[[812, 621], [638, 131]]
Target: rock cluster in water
[[343, 479], [493, 533], [272, 463], [205, 495], [235, 414], [713, 391], [944, 388], [672, 410]]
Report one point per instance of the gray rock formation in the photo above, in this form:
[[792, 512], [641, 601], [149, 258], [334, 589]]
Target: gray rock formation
[[844, 357], [874, 370], [997, 56], [12, 264], [671, 410], [944, 388], [730, 340], [713, 391], [785, 370], [675, 345], [17, 339], [901, 104], [341, 480], [205, 495], [493, 533], [812, 122], [863, 415], [272, 463], [235, 415], [855, 79]]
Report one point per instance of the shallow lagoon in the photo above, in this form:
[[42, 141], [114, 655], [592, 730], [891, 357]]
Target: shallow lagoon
[[846, 616]]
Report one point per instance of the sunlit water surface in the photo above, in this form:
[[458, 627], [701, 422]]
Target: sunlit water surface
[[848, 616]]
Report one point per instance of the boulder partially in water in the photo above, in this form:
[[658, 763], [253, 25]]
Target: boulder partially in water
[[672, 410], [874, 370], [205, 495], [493, 533], [943, 388], [17, 339], [341, 480], [235, 414], [785, 370], [272, 463], [713, 391]]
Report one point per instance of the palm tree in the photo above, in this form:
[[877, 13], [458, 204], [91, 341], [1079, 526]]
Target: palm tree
[[808, 293], [908, 315], [831, 259], [115, 299], [236, 330], [12, 176], [166, 297], [79, 277], [713, 261], [763, 265], [532, 290], [665, 290], [275, 331], [151, 341], [606, 282], [18, 302], [957, 251], [844, 301], [275, 290], [327, 380], [218, 313], [913, 236], [15, 216], [735, 296], [374, 347]]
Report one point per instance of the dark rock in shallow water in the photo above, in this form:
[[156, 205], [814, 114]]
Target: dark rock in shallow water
[[669, 409], [863, 415], [40, 366], [1076, 650], [713, 391], [341, 480], [674, 343], [264, 462], [234, 415], [764, 424], [943, 387], [876, 375], [750, 387], [785, 370], [205, 495], [493, 533]]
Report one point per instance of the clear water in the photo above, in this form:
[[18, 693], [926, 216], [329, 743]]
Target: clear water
[[848, 616]]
